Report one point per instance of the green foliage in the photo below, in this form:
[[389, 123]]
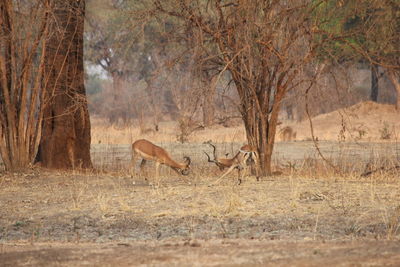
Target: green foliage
[[362, 30], [123, 37], [94, 84]]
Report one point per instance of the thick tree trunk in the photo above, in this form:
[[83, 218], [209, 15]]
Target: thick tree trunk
[[374, 83], [65, 141], [256, 125]]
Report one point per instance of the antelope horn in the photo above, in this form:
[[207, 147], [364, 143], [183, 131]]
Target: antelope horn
[[209, 159], [214, 150]]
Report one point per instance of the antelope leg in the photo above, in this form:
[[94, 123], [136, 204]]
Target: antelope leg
[[231, 168]]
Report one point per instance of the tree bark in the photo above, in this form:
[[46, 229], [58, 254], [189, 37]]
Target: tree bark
[[118, 110], [65, 141], [260, 122], [394, 78], [374, 83], [21, 71], [208, 101], [208, 110]]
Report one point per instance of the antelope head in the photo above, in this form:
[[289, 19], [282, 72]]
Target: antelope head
[[186, 170]]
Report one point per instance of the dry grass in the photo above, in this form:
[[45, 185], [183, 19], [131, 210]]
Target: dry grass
[[183, 219], [363, 122], [58, 206], [110, 134]]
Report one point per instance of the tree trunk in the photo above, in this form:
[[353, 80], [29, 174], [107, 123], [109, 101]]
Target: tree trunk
[[118, 110], [21, 70], [208, 101], [394, 78], [65, 141], [256, 125], [208, 110], [374, 83], [260, 124]]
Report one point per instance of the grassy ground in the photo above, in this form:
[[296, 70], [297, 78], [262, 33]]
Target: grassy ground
[[279, 219]]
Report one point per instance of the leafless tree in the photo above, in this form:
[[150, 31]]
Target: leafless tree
[[264, 45], [23, 52]]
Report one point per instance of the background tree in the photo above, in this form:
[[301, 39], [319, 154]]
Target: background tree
[[371, 36], [107, 48], [378, 38], [65, 141], [23, 36], [124, 35]]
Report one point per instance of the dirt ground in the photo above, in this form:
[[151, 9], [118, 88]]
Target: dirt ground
[[104, 219], [233, 252]]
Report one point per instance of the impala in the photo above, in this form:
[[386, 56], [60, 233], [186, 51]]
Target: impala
[[287, 134], [148, 151], [239, 161]]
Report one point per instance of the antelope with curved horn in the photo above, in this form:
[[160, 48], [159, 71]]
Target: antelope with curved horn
[[148, 151], [239, 161]]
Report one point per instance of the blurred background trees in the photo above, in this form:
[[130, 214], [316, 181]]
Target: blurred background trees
[[160, 62], [151, 42], [371, 37]]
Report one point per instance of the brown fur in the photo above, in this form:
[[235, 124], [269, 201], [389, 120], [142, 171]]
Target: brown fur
[[237, 162], [148, 151]]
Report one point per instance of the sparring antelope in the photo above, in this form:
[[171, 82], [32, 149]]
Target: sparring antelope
[[148, 151], [239, 161]]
